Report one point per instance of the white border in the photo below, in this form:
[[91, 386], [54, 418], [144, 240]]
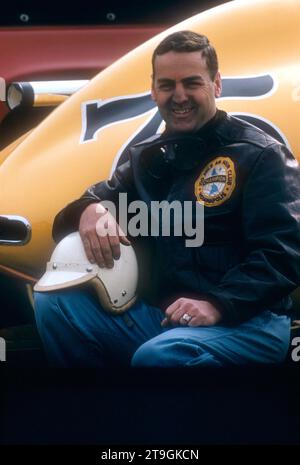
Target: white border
[[101, 103], [270, 123], [2, 89], [132, 136], [259, 97]]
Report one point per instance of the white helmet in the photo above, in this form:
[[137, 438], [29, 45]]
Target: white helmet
[[69, 266]]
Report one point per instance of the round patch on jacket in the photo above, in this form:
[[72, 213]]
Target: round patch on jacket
[[216, 182]]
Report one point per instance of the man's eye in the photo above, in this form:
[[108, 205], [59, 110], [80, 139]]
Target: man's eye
[[193, 85], [165, 86]]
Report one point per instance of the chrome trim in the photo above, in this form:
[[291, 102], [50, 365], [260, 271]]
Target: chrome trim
[[25, 223], [25, 93]]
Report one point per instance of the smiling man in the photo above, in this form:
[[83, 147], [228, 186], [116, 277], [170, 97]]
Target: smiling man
[[223, 303], [185, 85]]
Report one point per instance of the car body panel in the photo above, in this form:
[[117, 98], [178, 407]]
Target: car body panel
[[56, 162], [60, 52]]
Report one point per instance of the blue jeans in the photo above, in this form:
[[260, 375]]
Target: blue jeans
[[77, 332]]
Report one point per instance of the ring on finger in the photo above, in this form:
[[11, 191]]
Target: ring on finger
[[186, 317]]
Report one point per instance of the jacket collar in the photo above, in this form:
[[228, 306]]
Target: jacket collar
[[183, 150]]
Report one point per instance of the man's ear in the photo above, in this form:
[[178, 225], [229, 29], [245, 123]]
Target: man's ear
[[153, 95], [218, 84], [153, 92]]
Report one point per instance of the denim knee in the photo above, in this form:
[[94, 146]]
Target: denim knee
[[148, 354], [154, 353], [43, 306]]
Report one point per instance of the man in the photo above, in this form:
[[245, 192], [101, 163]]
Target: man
[[224, 303]]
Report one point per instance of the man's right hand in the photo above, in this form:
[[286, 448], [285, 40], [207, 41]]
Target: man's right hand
[[101, 235]]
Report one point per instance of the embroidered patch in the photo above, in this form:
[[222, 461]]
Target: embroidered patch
[[216, 182]]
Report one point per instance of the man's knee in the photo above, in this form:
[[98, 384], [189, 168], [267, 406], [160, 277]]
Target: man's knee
[[45, 306], [147, 355], [55, 300], [158, 352], [173, 350], [41, 299]]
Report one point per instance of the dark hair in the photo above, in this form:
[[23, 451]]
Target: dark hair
[[188, 41]]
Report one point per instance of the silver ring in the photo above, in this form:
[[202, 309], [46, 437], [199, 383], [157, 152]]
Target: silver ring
[[186, 317]]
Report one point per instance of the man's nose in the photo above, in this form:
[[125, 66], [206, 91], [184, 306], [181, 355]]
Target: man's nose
[[179, 95]]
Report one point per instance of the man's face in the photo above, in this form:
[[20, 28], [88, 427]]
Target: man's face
[[184, 91]]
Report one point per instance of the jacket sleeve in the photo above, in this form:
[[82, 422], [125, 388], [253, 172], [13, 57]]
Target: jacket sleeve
[[271, 227], [67, 220]]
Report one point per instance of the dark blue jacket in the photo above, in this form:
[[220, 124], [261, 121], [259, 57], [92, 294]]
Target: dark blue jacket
[[250, 186]]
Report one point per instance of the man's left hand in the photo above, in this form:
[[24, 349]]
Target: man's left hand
[[190, 312]]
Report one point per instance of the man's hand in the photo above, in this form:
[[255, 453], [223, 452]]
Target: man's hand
[[101, 235], [202, 313]]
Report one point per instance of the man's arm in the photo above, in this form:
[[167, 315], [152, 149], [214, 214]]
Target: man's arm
[[271, 224], [83, 215], [271, 270]]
